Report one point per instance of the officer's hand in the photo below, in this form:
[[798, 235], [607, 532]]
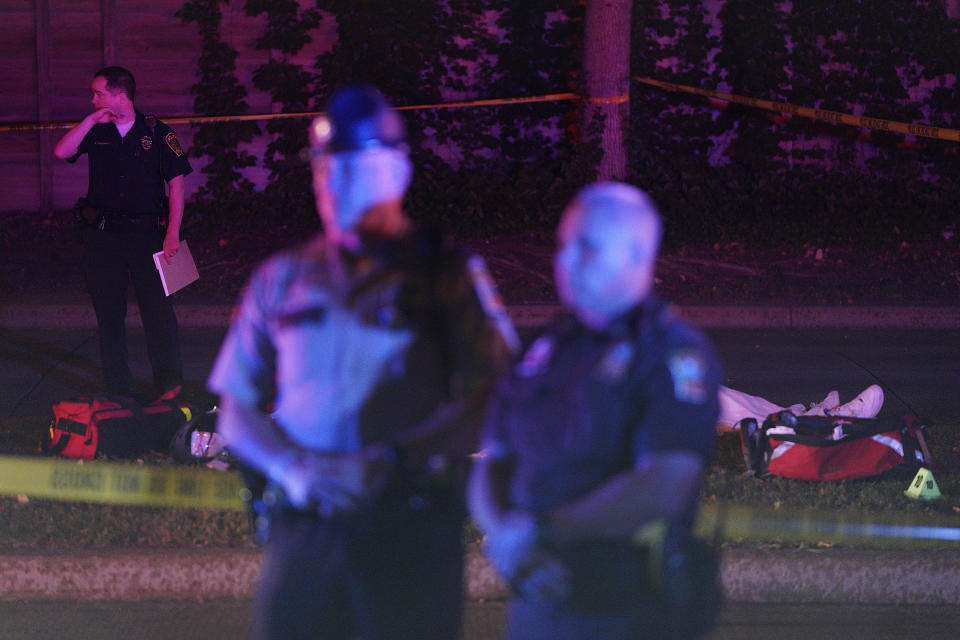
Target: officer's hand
[[104, 114], [544, 577], [330, 499], [297, 479], [336, 483], [510, 545], [349, 480], [327, 483], [171, 244]]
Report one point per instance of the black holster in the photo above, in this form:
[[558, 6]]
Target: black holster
[[86, 215]]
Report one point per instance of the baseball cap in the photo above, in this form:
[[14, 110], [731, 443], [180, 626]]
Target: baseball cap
[[358, 118]]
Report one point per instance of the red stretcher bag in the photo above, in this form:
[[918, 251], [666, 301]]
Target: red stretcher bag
[[830, 448], [115, 426], [72, 432]]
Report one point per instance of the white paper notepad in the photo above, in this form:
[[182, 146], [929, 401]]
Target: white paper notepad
[[179, 272]]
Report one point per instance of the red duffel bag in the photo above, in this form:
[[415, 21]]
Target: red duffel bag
[[115, 426], [830, 448]]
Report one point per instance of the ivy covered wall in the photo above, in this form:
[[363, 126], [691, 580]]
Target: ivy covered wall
[[478, 170], [729, 171], [719, 171]]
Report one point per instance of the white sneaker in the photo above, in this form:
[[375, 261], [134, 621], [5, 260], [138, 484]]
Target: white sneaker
[[821, 408], [865, 405], [832, 400]]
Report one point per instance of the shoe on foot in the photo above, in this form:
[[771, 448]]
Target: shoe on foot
[[865, 405], [832, 400], [821, 408]]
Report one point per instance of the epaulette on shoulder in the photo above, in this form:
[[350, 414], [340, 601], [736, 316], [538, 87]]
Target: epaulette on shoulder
[[674, 323], [654, 316], [491, 303]]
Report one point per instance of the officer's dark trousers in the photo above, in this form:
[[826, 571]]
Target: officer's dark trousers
[[547, 620], [610, 599], [395, 572], [111, 260]]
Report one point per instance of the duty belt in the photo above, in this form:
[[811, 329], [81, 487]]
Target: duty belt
[[415, 495], [116, 220]]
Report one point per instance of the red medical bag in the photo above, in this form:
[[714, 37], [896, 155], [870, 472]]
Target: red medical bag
[[115, 426], [830, 448]]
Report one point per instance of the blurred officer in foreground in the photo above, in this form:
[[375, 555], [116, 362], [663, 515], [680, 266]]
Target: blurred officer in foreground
[[597, 438], [125, 218], [353, 378]]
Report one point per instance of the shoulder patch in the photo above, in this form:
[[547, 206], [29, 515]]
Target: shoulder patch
[[490, 301], [688, 368], [174, 143]]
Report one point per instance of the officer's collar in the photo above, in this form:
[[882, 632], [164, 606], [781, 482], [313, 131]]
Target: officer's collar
[[370, 245], [417, 242], [634, 322], [138, 120]]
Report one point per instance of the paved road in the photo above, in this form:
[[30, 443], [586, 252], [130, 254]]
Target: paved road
[[154, 620], [40, 366]]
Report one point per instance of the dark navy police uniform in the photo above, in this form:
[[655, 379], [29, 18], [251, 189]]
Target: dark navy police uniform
[[580, 407], [127, 186], [348, 350]]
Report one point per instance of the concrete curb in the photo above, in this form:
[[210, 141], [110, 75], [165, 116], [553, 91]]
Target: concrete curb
[[81, 316], [748, 575], [130, 575], [842, 576]]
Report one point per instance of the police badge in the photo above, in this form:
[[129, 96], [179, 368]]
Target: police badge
[[146, 142]]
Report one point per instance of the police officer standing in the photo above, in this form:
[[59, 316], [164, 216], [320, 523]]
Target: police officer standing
[[353, 378], [125, 219], [601, 430]]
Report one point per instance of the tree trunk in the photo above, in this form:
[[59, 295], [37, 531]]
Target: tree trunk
[[44, 103], [606, 66]]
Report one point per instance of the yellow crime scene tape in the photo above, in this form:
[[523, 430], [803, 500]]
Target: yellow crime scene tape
[[112, 483], [177, 486], [824, 115], [734, 522], [462, 104]]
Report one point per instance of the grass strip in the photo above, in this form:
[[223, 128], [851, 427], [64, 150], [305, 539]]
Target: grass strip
[[27, 523]]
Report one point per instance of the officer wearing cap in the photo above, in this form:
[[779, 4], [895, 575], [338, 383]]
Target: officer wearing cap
[[353, 378], [126, 218], [602, 429]]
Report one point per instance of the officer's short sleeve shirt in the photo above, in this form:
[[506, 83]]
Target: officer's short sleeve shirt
[[581, 406], [344, 353], [128, 173]]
